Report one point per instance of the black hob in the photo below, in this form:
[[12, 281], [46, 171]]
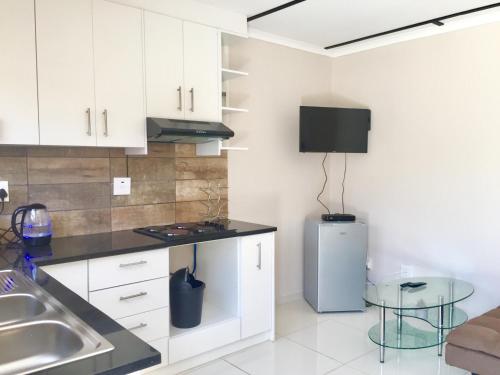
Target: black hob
[[184, 230]]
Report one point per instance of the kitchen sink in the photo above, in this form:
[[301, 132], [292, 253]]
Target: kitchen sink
[[37, 332]]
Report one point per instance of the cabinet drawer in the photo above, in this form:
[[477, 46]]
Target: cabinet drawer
[[132, 299], [127, 268], [151, 325], [72, 275], [202, 340]]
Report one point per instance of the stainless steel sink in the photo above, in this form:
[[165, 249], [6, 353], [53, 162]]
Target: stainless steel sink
[[37, 332]]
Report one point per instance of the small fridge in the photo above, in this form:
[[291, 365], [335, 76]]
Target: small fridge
[[335, 265]]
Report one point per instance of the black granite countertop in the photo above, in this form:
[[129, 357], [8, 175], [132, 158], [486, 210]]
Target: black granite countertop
[[130, 353]]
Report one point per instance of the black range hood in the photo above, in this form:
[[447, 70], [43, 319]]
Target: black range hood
[[184, 131]]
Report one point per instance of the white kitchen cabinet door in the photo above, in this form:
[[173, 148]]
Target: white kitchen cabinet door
[[164, 66], [119, 75], [18, 96], [73, 275], [65, 72], [201, 73], [257, 273]]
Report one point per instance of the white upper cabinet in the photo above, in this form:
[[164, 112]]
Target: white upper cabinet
[[182, 69], [164, 66], [18, 100], [119, 75], [257, 304], [201, 72], [65, 72]]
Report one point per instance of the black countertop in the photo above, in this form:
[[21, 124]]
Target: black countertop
[[130, 353]]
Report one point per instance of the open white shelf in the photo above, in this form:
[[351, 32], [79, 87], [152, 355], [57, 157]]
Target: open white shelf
[[211, 315], [230, 74], [234, 110]]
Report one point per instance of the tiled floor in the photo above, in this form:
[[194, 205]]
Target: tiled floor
[[333, 344]]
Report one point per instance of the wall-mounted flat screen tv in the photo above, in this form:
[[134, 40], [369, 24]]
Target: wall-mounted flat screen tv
[[328, 129]]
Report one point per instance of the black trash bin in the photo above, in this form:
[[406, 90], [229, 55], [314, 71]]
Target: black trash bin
[[186, 299]]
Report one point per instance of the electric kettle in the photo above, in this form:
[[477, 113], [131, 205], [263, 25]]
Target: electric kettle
[[35, 225]]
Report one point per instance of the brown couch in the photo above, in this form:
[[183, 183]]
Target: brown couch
[[475, 346]]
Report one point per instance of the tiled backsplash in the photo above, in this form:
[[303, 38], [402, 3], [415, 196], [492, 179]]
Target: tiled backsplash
[[75, 183]]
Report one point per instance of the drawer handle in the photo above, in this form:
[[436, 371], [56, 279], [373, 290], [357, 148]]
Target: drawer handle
[[259, 263], [141, 294], [142, 325], [124, 265]]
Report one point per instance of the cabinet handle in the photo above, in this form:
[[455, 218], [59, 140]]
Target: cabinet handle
[[141, 294], [141, 325], [123, 265], [192, 98], [259, 263], [105, 114], [89, 125], [179, 90]]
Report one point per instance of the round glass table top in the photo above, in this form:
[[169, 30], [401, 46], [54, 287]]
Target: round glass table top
[[436, 292]]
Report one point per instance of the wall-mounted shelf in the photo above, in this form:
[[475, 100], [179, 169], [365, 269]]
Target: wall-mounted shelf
[[228, 74], [214, 148], [233, 110]]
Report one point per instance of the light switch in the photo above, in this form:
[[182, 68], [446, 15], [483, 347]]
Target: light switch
[[121, 186]]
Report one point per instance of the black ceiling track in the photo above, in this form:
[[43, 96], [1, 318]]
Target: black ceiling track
[[435, 21], [274, 10]]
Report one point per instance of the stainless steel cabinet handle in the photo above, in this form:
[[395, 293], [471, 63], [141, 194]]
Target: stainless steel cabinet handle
[[141, 294], [123, 265], [141, 325], [105, 113], [89, 124], [192, 98], [179, 90], [259, 263]]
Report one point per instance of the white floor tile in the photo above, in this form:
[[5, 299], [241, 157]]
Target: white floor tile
[[405, 362], [218, 367], [296, 315], [335, 340], [345, 370], [359, 320], [282, 357]]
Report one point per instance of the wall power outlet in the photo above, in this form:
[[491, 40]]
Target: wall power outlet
[[121, 186], [5, 185]]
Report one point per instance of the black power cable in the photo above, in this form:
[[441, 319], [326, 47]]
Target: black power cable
[[324, 184]]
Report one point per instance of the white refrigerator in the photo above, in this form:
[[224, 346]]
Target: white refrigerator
[[335, 265]]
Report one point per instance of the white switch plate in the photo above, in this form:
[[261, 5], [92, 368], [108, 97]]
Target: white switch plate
[[121, 186], [5, 185]]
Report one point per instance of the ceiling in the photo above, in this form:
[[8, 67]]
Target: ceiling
[[325, 22]]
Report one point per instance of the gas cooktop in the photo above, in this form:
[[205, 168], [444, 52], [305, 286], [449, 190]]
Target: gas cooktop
[[184, 230]]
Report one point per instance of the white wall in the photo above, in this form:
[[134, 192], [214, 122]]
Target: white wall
[[430, 183], [273, 183]]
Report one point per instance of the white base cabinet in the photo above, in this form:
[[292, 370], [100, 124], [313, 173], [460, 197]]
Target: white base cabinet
[[134, 289]]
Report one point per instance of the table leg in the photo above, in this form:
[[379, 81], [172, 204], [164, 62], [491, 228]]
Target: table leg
[[441, 326], [382, 332]]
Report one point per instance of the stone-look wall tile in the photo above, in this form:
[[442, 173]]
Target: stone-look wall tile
[[118, 167], [67, 170], [151, 169], [18, 196], [146, 192], [13, 169], [117, 152], [192, 211], [200, 168], [12, 150], [158, 150], [72, 196], [68, 152], [78, 222], [138, 216], [190, 190]]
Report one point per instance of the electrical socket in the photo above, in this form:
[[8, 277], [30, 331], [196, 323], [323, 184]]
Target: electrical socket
[[121, 185], [5, 185]]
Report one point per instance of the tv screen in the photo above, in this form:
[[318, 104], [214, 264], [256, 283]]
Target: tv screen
[[325, 129]]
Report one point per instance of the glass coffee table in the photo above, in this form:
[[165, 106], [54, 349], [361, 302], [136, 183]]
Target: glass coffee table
[[432, 303]]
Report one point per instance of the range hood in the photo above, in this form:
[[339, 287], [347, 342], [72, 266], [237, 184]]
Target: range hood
[[184, 131]]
